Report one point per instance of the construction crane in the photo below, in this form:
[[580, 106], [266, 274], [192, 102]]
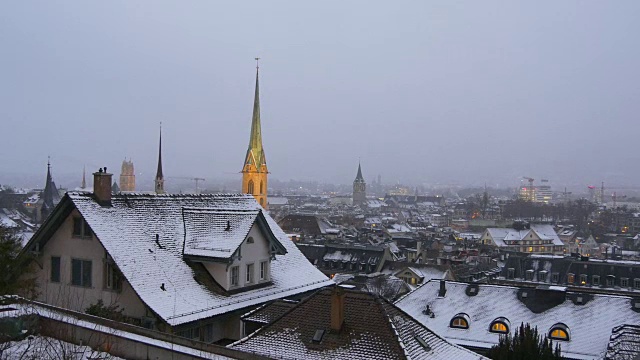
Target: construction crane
[[615, 198], [196, 179]]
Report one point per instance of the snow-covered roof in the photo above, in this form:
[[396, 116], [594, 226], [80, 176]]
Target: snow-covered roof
[[216, 233], [127, 229], [372, 329], [590, 320], [543, 231]]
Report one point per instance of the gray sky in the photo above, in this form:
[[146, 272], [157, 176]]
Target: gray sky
[[421, 91]]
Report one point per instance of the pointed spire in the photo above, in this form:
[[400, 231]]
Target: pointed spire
[[359, 176], [50, 196], [255, 152], [159, 176], [84, 178]]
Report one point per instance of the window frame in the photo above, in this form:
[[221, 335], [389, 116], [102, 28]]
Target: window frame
[[236, 276], [595, 280], [624, 282], [250, 273], [636, 283], [459, 321], [55, 270], [560, 327], [264, 270], [500, 321], [113, 278], [250, 240], [84, 276], [80, 228]]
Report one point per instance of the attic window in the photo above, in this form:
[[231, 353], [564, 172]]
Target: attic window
[[559, 331], [460, 321], [500, 326], [81, 228], [250, 240], [317, 337]]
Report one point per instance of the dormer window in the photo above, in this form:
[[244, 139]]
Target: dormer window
[[249, 273], [559, 331], [460, 321], [500, 326]]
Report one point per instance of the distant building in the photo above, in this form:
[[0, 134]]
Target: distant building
[[254, 171], [127, 176], [540, 239], [49, 198], [359, 189]]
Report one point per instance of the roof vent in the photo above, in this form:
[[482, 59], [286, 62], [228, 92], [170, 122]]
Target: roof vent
[[317, 337], [228, 228], [422, 342]]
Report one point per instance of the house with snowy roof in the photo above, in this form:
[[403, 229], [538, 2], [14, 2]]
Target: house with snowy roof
[[189, 264], [534, 238], [341, 323], [476, 315]]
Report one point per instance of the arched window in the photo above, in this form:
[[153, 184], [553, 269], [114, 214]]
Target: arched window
[[261, 201], [460, 321], [559, 331], [261, 187], [500, 326], [249, 240], [250, 187]]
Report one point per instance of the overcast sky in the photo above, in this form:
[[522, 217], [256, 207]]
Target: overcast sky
[[420, 91]]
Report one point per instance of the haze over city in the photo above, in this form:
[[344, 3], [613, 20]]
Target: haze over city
[[420, 92]]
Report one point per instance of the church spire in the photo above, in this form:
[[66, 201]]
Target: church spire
[[359, 176], [159, 177], [255, 152], [254, 171], [50, 195]]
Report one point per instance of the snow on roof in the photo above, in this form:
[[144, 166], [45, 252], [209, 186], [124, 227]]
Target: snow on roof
[[127, 230], [590, 324], [214, 232], [543, 231], [6, 222]]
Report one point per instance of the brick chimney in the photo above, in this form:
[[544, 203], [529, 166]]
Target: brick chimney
[[337, 309], [102, 187]]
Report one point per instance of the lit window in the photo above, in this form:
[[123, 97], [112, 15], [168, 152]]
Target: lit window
[[559, 332], [460, 321], [571, 278], [583, 279], [235, 276], [500, 325]]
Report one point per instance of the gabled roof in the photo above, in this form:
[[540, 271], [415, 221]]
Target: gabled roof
[[373, 328], [543, 231], [218, 233], [127, 229]]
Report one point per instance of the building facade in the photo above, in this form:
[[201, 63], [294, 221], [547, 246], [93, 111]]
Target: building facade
[[127, 176]]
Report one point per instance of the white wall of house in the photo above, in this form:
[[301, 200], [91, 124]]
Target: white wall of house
[[64, 245], [251, 253]]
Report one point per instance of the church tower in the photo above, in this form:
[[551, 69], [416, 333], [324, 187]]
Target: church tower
[[127, 176], [159, 176], [359, 188], [254, 172]]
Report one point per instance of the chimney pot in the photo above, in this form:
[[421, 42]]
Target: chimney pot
[[102, 187], [337, 309]]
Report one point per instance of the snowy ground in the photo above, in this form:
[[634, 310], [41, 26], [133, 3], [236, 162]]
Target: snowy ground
[[46, 348]]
